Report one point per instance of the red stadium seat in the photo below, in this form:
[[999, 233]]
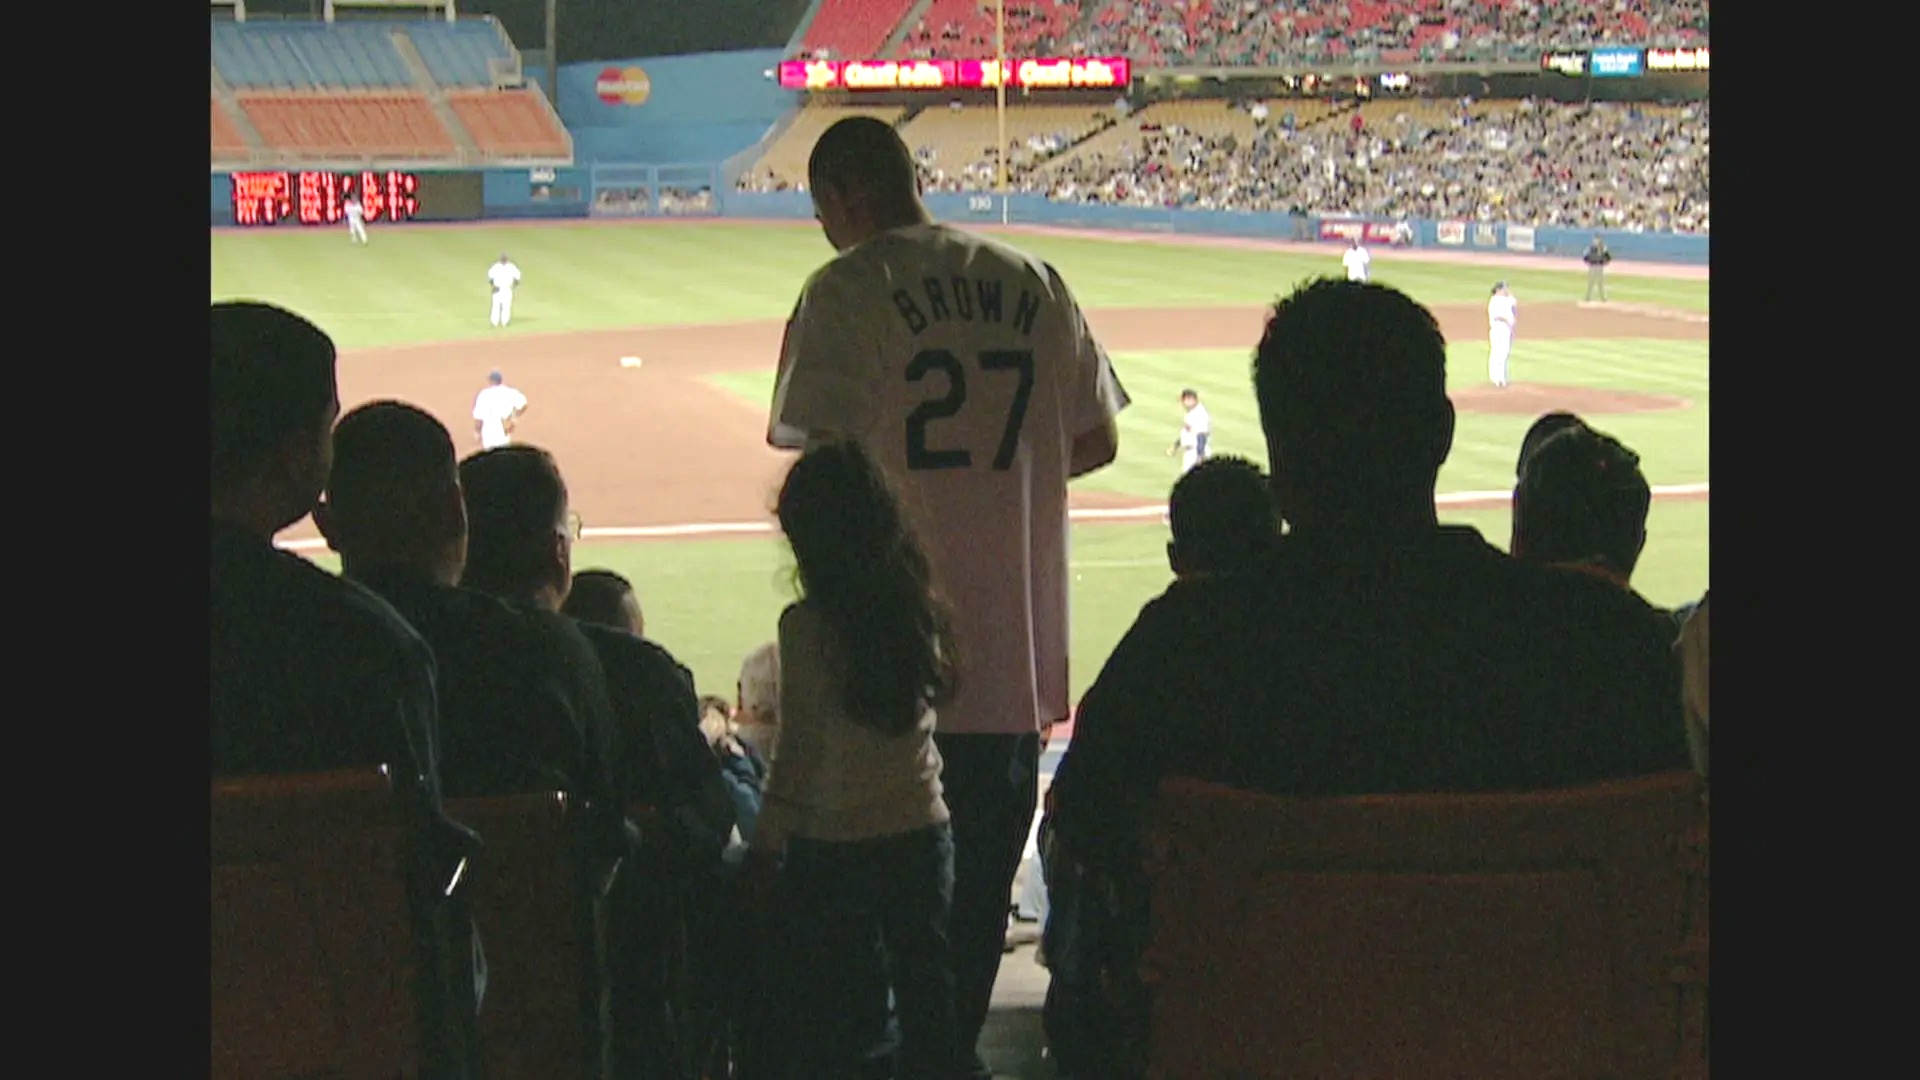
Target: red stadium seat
[[384, 123]]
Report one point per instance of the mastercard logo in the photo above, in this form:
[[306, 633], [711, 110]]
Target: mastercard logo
[[623, 86]]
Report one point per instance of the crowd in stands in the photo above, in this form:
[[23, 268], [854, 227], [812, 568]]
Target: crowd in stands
[[1171, 33], [799, 854], [1610, 165], [1544, 163]]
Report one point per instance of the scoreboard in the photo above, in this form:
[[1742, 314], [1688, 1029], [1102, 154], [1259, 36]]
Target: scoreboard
[[319, 198]]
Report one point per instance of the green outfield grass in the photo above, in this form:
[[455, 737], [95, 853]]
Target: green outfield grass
[[429, 283], [711, 601]]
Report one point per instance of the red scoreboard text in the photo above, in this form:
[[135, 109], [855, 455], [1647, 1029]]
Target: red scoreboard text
[[319, 198]]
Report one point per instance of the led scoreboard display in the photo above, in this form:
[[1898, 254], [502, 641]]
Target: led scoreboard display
[[320, 198]]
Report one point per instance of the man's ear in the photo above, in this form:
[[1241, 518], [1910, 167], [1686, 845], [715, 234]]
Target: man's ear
[[323, 519], [1443, 445]]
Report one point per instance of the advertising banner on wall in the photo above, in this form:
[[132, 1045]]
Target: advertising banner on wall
[[1677, 59], [1519, 238], [1451, 232], [1485, 235], [1076, 73], [1369, 232], [1616, 63]]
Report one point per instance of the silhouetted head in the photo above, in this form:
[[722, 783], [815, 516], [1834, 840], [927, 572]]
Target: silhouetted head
[[1351, 381], [520, 529], [1582, 499], [393, 499], [1222, 516], [272, 399], [605, 598]]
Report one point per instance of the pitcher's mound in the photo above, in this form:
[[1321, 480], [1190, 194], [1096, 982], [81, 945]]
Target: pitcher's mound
[[1533, 399]]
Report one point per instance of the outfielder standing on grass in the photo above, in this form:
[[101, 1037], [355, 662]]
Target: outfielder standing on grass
[[356, 219], [1597, 258], [967, 370], [504, 277]]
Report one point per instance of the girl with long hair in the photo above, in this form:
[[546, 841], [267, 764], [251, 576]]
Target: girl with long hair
[[853, 814]]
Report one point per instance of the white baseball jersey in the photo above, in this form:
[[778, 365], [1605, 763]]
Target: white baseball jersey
[[1196, 429], [967, 369], [1502, 310], [493, 407], [354, 213], [1357, 261], [504, 276]]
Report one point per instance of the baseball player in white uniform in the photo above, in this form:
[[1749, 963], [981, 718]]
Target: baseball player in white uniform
[[356, 219], [1501, 316], [1196, 430], [968, 370], [1357, 261], [504, 277], [495, 409]]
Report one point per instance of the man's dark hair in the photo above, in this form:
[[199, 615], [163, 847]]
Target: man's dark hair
[[864, 154], [515, 499], [1583, 497], [1351, 380], [596, 596], [1543, 429], [272, 380], [392, 465], [1222, 516]]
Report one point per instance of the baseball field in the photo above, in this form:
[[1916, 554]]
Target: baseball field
[[667, 461]]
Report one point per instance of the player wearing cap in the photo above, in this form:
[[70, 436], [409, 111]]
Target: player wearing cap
[[504, 277], [495, 409], [1501, 316], [1196, 431], [968, 370]]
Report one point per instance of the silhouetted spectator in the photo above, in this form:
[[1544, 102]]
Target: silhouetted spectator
[[605, 598], [309, 672], [1222, 518], [521, 532], [1376, 651]]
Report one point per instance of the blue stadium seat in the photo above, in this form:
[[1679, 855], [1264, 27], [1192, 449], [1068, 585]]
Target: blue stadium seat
[[308, 55], [457, 54]]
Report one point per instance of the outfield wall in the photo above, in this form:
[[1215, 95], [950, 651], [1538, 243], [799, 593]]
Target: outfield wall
[[1464, 236], [636, 190]]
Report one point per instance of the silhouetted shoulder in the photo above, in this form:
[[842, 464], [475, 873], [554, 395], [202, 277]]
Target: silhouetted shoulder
[[625, 652]]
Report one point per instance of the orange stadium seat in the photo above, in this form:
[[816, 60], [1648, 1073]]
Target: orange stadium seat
[[509, 123], [1497, 936], [381, 123], [228, 143]]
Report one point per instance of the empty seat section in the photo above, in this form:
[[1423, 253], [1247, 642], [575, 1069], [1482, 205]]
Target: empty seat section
[[228, 143], [853, 29], [458, 55], [509, 123], [349, 125], [307, 56]]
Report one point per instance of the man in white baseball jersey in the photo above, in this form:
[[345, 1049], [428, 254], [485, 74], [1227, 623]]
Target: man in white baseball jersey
[[968, 370], [356, 219], [495, 409], [1357, 261], [503, 276], [1501, 315], [1196, 430]]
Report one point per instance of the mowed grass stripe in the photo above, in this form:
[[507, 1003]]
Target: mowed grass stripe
[[711, 602], [428, 283]]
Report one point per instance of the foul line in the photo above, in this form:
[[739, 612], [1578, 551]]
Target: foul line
[[1455, 499]]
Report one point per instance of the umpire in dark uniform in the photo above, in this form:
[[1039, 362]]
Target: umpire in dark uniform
[[1597, 258]]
